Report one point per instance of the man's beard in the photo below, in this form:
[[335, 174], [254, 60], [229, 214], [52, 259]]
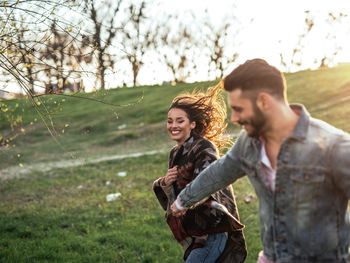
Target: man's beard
[[258, 123]]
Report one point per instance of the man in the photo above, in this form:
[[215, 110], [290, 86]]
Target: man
[[298, 165]]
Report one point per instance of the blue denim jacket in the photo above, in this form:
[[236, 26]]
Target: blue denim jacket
[[306, 218]]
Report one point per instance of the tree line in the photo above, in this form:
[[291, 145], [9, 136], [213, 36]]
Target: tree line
[[55, 44]]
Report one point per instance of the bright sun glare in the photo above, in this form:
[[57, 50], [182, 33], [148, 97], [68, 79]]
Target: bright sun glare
[[272, 27]]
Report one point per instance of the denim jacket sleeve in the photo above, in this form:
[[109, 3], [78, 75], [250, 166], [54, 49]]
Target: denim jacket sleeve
[[340, 163], [216, 176]]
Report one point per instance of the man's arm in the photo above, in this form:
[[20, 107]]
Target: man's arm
[[216, 176]]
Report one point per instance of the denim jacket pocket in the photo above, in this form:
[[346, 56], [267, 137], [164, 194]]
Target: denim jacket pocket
[[307, 185], [310, 214], [307, 176]]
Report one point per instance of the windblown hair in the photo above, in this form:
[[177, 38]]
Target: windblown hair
[[208, 110]]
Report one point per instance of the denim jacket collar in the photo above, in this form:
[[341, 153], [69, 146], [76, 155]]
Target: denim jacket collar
[[300, 130]]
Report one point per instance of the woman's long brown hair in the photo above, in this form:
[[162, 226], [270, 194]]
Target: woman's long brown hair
[[208, 110]]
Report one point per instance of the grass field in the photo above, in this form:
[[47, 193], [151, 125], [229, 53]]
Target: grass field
[[61, 215]]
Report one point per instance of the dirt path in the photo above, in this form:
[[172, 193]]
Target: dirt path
[[17, 171], [22, 171]]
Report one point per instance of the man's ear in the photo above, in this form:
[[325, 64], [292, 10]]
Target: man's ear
[[263, 101]]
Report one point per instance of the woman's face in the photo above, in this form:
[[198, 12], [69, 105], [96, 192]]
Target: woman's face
[[179, 125]]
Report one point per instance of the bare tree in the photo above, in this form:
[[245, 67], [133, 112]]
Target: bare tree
[[217, 40], [26, 28], [176, 44], [333, 20], [322, 30], [138, 36], [103, 33], [63, 55], [21, 53], [326, 28], [295, 59]]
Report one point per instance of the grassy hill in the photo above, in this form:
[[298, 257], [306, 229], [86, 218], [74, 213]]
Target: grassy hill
[[92, 124], [61, 215], [99, 123]]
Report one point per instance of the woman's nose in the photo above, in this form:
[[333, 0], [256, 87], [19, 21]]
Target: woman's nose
[[172, 126]]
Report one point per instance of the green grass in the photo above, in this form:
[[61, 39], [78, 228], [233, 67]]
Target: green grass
[[63, 216]]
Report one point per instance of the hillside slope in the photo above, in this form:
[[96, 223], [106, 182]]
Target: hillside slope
[[130, 120]]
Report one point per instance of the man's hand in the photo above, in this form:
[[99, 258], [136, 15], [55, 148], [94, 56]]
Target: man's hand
[[177, 211]]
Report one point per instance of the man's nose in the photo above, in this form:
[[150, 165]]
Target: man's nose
[[234, 117]]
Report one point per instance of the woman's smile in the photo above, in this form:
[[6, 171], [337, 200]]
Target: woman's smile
[[179, 125]]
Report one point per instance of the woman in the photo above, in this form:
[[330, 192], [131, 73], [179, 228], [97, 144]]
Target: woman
[[210, 231]]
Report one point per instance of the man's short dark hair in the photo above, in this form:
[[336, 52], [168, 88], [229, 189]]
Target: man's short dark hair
[[255, 75]]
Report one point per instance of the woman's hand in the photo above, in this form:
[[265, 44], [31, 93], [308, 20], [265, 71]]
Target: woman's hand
[[170, 176]]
